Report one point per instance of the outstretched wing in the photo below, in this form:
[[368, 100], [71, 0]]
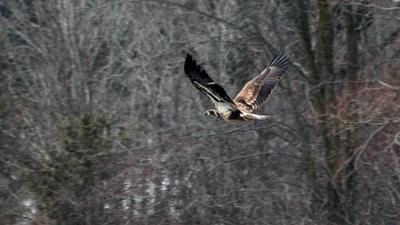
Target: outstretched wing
[[202, 81], [256, 91]]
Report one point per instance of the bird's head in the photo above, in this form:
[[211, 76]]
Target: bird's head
[[211, 112]]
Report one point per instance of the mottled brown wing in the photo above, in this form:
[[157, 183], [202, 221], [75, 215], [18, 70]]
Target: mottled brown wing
[[256, 91]]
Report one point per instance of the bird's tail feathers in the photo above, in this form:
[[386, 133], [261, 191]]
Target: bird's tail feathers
[[252, 116]]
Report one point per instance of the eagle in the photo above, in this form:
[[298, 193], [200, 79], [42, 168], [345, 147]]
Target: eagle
[[252, 96]]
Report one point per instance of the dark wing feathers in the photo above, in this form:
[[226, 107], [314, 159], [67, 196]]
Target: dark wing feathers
[[281, 61], [256, 91], [202, 81]]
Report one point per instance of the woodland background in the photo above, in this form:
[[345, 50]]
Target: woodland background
[[100, 126]]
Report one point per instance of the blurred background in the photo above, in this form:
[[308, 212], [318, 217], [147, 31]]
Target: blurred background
[[99, 124]]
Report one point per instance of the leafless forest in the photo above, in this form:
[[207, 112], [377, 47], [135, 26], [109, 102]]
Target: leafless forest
[[100, 126]]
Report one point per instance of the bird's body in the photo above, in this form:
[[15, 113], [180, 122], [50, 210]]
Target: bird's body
[[252, 95], [234, 115]]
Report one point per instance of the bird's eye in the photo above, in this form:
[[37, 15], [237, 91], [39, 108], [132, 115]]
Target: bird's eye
[[209, 113]]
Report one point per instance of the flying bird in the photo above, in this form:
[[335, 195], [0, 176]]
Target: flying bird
[[252, 96]]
